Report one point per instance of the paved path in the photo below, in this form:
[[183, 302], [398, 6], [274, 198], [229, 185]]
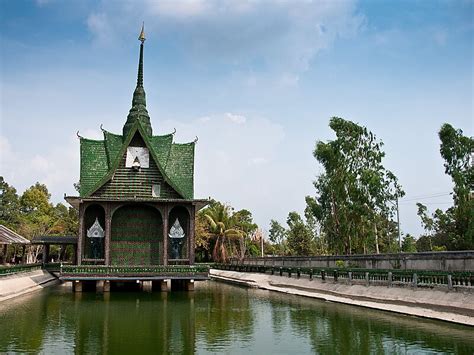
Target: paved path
[[456, 307], [21, 283]]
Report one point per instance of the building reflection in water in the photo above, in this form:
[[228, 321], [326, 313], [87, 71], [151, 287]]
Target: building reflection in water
[[216, 318]]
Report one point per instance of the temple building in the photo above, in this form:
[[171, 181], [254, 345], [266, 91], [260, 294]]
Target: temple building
[[136, 194]]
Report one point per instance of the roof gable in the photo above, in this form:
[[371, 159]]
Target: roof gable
[[115, 161]]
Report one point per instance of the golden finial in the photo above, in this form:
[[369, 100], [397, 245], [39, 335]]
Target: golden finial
[[141, 37]]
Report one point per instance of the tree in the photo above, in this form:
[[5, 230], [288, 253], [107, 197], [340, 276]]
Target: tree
[[9, 205], [221, 227], [409, 244], [244, 223], [354, 194], [453, 229], [456, 150], [202, 238], [300, 239], [277, 235]]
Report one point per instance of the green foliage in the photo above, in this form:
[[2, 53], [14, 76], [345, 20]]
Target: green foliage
[[9, 205], [300, 238], [224, 232], [409, 244], [452, 229], [355, 193], [340, 263], [277, 235], [32, 214]]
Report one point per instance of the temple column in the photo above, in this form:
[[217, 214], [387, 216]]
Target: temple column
[[108, 232], [80, 239], [165, 235], [192, 214]]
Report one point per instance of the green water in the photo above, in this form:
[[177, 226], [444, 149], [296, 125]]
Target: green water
[[216, 318]]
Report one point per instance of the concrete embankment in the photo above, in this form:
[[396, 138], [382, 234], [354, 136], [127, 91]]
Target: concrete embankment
[[21, 283], [456, 307]]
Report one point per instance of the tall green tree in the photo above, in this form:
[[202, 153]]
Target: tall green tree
[[456, 150], [277, 235], [409, 244], [452, 229], [221, 225], [355, 193], [300, 238], [9, 205]]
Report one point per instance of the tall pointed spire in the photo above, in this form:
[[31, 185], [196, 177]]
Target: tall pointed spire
[[138, 110]]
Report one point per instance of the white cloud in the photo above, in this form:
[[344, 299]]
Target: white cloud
[[179, 9], [258, 36], [239, 119], [56, 167], [100, 26], [238, 163]]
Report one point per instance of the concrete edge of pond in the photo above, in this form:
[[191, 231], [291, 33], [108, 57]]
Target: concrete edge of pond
[[23, 283], [454, 307]]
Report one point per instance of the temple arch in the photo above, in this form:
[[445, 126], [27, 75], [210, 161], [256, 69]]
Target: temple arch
[[94, 234], [178, 235], [136, 235]]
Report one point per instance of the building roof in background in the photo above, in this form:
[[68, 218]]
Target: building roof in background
[[54, 239], [7, 236]]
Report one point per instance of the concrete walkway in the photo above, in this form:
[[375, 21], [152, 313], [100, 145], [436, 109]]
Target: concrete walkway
[[21, 283], [456, 307]]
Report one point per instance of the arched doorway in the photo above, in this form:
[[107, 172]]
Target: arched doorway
[[94, 234], [178, 235], [137, 236]]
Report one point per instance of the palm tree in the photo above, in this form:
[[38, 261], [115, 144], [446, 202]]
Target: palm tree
[[221, 223]]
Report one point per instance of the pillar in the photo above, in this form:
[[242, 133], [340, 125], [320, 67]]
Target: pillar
[[108, 233], [80, 239], [77, 286], [450, 282], [147, 286], [192, 214], [165, 285], [99, 286], [106, 286], [45, 254], [5, 250], [190, 285], [165, 235], [23, 255]]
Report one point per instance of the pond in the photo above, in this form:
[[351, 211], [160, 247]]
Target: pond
[[215, 318]]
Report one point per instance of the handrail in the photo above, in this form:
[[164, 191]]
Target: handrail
[[368, 276], [15, 269], [110, 270]]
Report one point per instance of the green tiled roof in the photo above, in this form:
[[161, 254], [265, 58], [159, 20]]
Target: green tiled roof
[[180, 166], [100, 159], [93, 164]]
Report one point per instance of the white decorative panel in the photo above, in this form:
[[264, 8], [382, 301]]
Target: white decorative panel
[[155, 190], [137, 152], [96, 230]]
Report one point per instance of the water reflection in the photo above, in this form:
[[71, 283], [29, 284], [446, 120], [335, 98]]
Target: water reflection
[[215, 318]]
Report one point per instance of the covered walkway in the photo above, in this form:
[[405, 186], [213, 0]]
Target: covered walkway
[[9, 237]]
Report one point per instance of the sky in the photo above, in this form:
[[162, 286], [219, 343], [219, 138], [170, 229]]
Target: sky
[[255, 81]]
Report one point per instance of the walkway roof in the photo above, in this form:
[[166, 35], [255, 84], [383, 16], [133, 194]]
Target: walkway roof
[[54, 239], [7, 236]]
